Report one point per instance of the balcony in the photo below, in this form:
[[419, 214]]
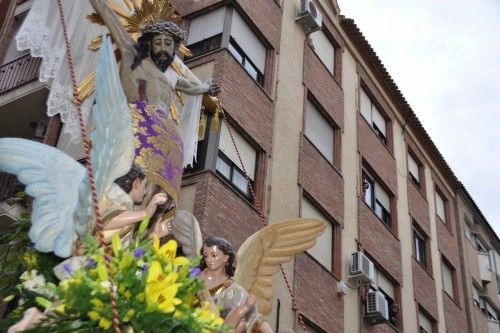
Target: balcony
[[18, 72], [484, 267]]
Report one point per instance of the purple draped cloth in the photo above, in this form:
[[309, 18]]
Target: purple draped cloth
[[158, 147]]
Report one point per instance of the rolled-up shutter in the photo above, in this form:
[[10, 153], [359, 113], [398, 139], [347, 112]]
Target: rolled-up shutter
[[319, 131], [206, 26], [248, 41], [247, 151]]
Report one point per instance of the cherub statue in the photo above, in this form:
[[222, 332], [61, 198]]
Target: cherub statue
[[244, 293], [62, 209]]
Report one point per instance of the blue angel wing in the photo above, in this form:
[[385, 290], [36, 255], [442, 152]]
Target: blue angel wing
[[53, 179], [113, 138]]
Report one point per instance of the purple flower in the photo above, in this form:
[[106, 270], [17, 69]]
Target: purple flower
[[91, 263], [67, 268], [145, 268], [139, 252], [195, 272]]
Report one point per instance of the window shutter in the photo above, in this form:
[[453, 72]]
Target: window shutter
[[247, 151], [378, 120], [319, 131], [424, 322], [322, 250], [440, 207], [248, 41], [365, 106], [447, 279], [324, 49], [475, 293], [413, 167], [206, 26], [386, 285], [382, 197]]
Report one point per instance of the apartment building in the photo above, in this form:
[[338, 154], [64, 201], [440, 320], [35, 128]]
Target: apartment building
[[322, 131]]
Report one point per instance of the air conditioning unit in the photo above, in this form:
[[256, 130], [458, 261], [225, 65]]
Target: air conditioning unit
[[377, 308], [361, 269], [309, 16]]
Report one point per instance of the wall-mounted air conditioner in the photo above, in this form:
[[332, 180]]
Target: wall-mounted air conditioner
[[377, 308], [361, 269], [309, 16]]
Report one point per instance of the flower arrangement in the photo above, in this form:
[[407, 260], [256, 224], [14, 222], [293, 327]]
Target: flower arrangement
[[155, 291]]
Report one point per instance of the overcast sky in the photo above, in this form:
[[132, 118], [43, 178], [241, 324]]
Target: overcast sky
[[445, 58]]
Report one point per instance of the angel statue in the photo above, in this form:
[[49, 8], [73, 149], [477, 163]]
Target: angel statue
[[62, 208], [244, 293], [164, 98]]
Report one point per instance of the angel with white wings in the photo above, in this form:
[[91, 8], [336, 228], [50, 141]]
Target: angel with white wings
[[243, 293], [164, 97], [62, 210]]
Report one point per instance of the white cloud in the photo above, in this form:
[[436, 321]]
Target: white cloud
[[445, 57]]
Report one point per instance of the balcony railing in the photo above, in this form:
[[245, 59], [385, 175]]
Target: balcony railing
[[18, 72], [9, 185]]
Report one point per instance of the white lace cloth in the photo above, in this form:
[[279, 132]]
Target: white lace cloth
[[42, 34]]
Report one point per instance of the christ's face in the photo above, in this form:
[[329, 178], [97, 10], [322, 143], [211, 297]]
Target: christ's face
[[162, 45]]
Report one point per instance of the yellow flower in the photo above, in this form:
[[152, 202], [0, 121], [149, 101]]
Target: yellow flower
[[130, 313], [97, 303], [94, 315], [116, 244], [161, 289], [207, 316], [60, 308], [167, 252], [104, 323]]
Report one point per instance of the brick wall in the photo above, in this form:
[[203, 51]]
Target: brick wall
[[323, 86], [315, 292], [221, 211], [424, 288], [455, 317], [379, 242], [7, 26], [321, 180]]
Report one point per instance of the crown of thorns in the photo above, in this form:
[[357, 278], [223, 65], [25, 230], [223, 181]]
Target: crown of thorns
[[167, 27]]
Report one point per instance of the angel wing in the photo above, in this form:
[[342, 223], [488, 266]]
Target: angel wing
[[260, 256], [186, 231], [113, 138], [53, 179]]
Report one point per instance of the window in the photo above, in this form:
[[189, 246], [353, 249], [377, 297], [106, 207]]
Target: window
[[424, 322], [319, 131], [228, 164], [440, 207], [420, 247], [414, 170], [448, 278], [467, 229], [370, 112], [377, 198], [475, 296], [323, 249], [206, 34], [324, 49], [386, 287]]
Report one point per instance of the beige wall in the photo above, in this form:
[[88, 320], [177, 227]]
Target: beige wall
[[284, 191], [350, 171]]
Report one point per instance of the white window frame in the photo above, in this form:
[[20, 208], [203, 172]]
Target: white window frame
[[319, 131], [448, 271], [324, 49], [373, 116], [440, 206], [318, 251]]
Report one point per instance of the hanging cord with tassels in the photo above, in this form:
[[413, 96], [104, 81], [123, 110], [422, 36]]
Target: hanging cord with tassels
[[90, 171], [258, 207]]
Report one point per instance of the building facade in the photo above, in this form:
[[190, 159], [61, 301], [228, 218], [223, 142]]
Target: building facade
[[322, 131]]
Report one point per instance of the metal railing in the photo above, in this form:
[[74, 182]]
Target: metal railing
[[18, 72]]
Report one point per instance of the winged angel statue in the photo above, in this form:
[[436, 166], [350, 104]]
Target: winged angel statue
[[62, 208], [241, 284]]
